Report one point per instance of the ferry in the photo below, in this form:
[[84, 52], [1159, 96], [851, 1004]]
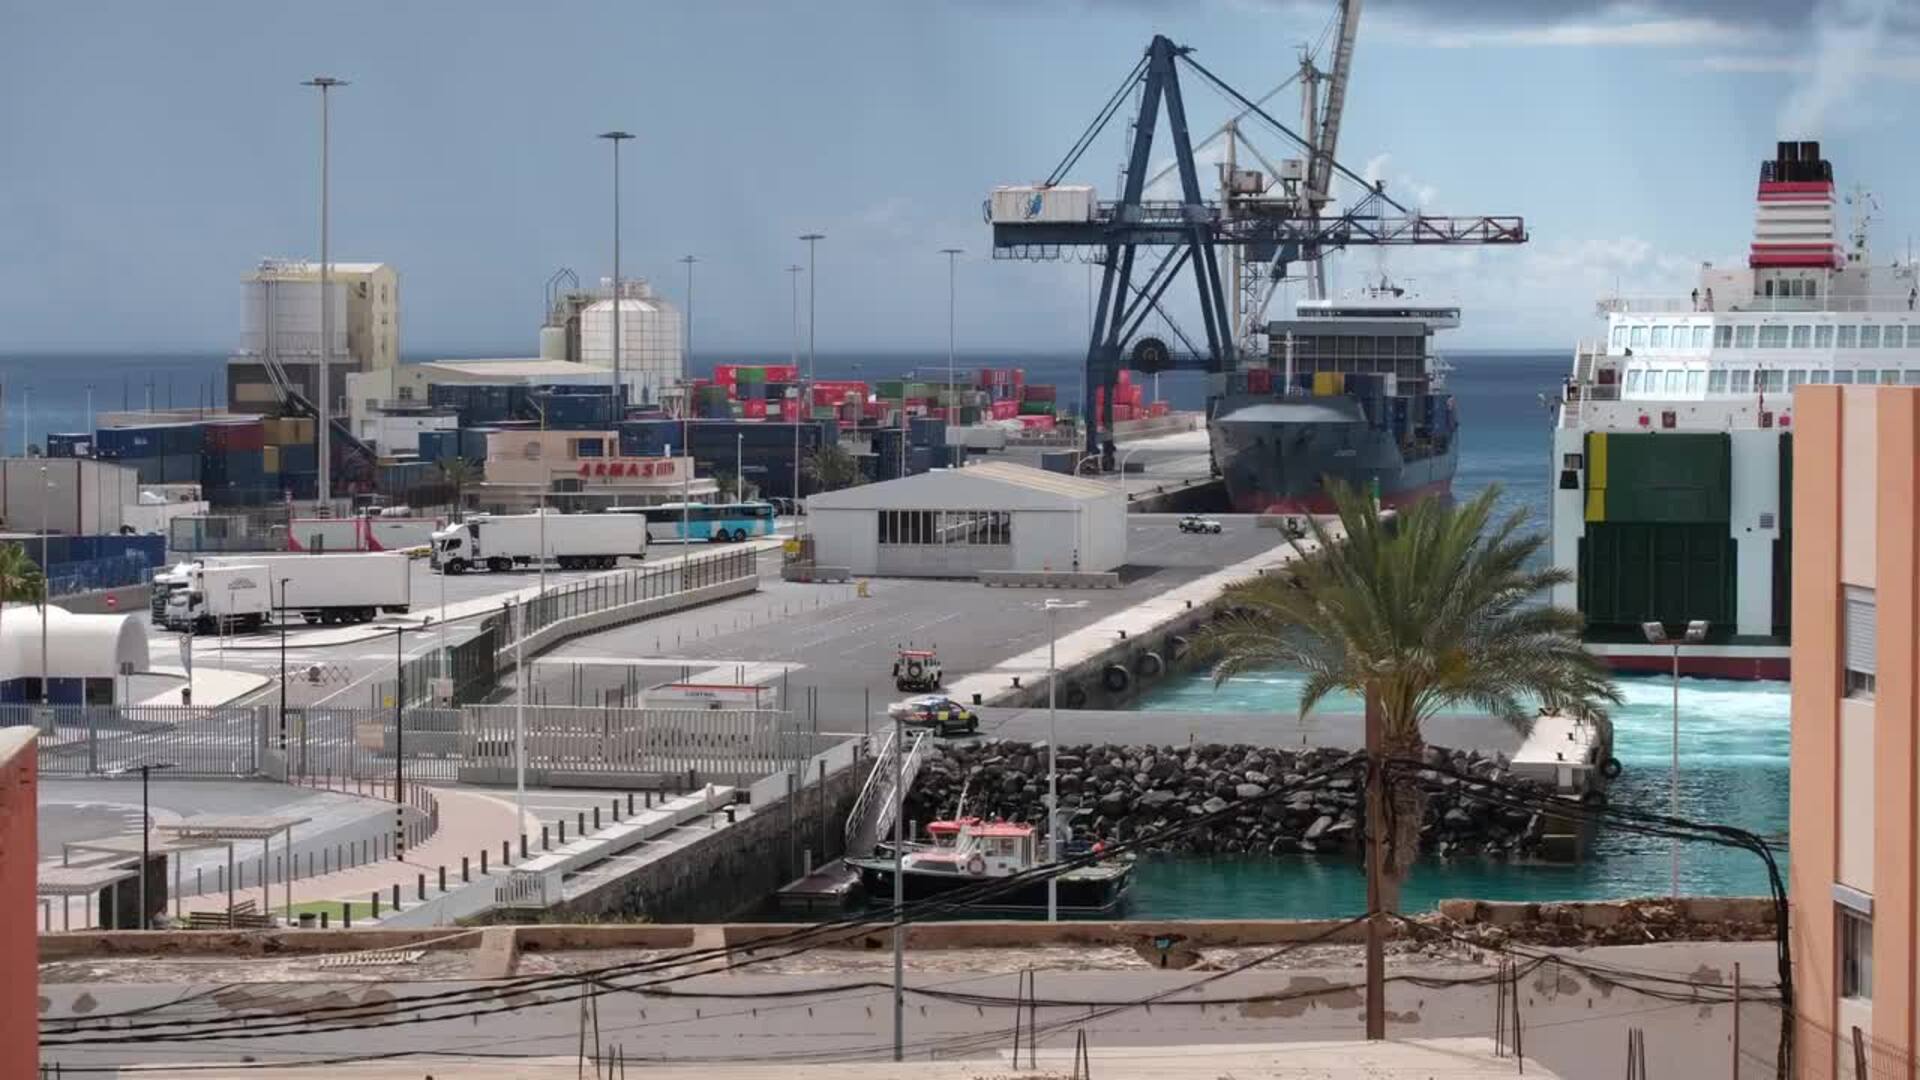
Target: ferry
[[1351, 390], [1671, 479]]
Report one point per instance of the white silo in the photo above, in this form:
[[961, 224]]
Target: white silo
[[650, 339]]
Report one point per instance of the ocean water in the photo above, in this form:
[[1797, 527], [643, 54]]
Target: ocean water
[[1732, 745]]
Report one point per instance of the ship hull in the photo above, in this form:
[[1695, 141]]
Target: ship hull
[[1277, 455], [1090, 893]]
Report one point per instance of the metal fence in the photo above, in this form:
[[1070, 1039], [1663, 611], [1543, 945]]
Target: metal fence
[[332, 747], [628, 587]]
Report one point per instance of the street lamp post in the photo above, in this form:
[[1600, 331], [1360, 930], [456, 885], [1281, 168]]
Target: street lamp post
[[686, 364], [46, 586], [399, 727], [323, 387], [1656, 634], [1054, 607], [805, 407], [899, 889], [616, 138], [739, 467], [811, 238], [283, 663], [953, 257]]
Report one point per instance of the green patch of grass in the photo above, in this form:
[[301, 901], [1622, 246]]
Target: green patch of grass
[[336, 909]]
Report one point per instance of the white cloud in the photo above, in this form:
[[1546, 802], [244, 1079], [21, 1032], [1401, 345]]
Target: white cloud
[[1845, 32], [1645, 33]]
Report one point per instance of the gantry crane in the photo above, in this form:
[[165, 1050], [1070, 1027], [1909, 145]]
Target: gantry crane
[[1045, 220]]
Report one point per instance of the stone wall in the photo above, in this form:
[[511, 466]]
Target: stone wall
[[1117, 793], [731, 871]]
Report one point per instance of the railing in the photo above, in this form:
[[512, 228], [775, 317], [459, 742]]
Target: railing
[[620, 589], [635, 742], [1687, 305], [873, 812]]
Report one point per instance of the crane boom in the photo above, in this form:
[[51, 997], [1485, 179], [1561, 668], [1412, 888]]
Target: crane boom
[[1327, 136]]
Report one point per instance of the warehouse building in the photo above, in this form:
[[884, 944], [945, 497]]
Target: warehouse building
[[957, 523]]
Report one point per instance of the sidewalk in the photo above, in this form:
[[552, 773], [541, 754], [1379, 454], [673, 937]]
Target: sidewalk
[[470, 822], [211, 685]]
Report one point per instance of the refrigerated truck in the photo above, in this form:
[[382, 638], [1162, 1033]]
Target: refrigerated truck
[[243, 593], [574, 541]]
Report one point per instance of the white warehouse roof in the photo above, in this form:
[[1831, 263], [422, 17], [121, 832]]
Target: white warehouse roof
[[78, 646], [997, 485]]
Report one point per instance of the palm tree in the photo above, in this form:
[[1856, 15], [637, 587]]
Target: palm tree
[[458, 472], [20, 577], [829, 468], [1435, 608]]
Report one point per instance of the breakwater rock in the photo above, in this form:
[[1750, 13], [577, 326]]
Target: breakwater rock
[[1118, 793]]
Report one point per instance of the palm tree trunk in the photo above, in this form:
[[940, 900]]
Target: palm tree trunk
[[1377, 874]]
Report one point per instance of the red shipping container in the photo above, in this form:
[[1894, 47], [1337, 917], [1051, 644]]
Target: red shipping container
[[1122, 412], [1159, 409], [783, 373], [1124, 378], [240, 436], [722, 374], [754, 408], [1005, 410], [1039, 423], [1259, 381]]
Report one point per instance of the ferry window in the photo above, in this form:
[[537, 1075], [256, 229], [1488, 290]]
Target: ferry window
[[1741, 382], [1773, 337], [1717, 382], [1619, 339], [1891, 337], [1911, 377], [1819, 377], [1889, 377], [1693, 382], [1842, 376], [1772, 382], [1675, 379], [1637, 337], [1723, 336], [1700, 336], [1633, 380], [1866, 377], [1803, 337], [1796, 377], [1659, 337], [1743, 337], [1869, 337], [1823, 337], [1848, 336]]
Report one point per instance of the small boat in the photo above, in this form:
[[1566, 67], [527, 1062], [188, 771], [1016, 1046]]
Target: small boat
[[967, 852]]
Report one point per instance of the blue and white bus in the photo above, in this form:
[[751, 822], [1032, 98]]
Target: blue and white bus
[[712, 522]]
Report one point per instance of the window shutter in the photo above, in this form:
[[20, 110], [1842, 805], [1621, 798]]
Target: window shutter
[[1860, 644]]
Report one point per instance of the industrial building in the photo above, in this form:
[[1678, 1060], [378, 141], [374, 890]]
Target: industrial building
[[957, 523], [580, 471], [283, 328], [87, 656], [73, 495]]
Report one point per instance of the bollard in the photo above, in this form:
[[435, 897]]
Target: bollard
[[483, 862], [346, 914], [648, 795], [523, 847], [583, 820], [506, 853], [396, 896], [563, 832], [376, 903], [616, 810], [629, 804], [323, 920], [443, 879], [596, 820], [420, 886], [466, 874], [544, 845]]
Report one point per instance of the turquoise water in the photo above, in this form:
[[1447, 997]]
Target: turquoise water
[[1733, 770]]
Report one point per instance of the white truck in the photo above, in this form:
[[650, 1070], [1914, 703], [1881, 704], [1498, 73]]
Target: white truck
[[574, 541], [243, 592]]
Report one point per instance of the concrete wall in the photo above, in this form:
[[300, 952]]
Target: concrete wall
[[729, 872], [19, 859]]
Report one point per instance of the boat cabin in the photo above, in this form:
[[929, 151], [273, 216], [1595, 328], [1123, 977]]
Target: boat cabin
[[975, 848]]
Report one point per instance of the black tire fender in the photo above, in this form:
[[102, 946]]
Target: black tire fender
[[1177, 647], [1116, 678], [1610, 768], [1148, 665], [1075, 696]]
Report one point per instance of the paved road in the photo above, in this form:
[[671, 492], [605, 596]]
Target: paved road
[[828, 640]]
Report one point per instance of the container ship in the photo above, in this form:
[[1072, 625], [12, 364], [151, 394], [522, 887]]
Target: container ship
[[1673, 438], [1352, 391]]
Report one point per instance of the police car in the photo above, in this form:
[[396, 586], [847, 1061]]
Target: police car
[[943, 714]]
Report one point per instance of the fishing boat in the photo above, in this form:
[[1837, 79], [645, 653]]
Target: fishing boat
[[967, 852]]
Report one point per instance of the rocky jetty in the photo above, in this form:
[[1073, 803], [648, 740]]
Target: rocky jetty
[[1117, 793]]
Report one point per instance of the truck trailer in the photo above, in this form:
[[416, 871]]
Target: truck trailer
[[574, 541], [243, 592]]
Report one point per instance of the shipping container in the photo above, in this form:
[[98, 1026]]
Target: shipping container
[[1328, 383], [1028, 204], [1036, 408], [75, 445]]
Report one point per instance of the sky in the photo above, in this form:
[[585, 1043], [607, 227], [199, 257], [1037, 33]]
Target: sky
[[150, 154]]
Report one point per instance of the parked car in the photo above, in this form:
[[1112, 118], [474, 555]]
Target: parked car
[[945, 715], [1194, 523]]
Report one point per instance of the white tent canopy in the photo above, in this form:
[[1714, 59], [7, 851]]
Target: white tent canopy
[[78, 646]]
